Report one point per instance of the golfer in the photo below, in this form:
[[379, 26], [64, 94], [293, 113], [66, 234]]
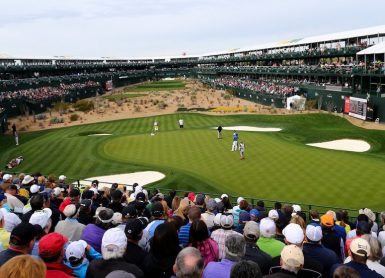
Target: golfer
[[219, 129], [181, 123], [156, 127], [235, 141], [242, 150]]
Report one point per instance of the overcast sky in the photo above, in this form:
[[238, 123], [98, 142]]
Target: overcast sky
[[148, 28]]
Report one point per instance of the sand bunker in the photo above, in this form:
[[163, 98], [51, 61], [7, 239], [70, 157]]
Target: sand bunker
[[99, 134], [350, 145], [142, 178], [251, 128]]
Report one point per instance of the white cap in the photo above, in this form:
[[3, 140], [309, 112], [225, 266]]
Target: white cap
[[70, 210], [296, 208], [113, 239], [273, 214], [7, 177], [217, 200], [293, 233], [314, 232], [76, 249], [227, 221], [57, 191], [267, 227], [27, 179], [217, 219], [62, 178], [11, 220], [239, 200], [117, 218], [224, 195], [93, 189], [41, 217], [34, 189]]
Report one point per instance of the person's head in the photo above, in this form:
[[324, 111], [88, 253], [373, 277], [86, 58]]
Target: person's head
[[359, 250], [176, 220], [23, 266], [114, 243], [277, 205], [261, 204], [23, 237], [327, 221], [175, 203], [243, 205], [235, 247], [292, 258], [194, 213], [226, 221], [245, 269], [198, 232], [375, 247], [200, 199], [157, 210], [183, 208], [344, 271], [267, 227], [363, 228], [189, 263], [287, 210], [251, 231], [313, 214], [71, 211], [211, 205], [293, 234], [104, 218], [42, 218], [51, 247], [37, 202], [116, 196], [85, 206], [134, 230], [296, 219], [74, 196], [9, 220], [165, 240], [313, 233], [172, 193], [75, 252]]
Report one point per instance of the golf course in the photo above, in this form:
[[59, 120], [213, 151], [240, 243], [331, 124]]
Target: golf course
[[278, 165]]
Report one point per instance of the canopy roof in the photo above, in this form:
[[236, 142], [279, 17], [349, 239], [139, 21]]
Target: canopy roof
[[375, 49]]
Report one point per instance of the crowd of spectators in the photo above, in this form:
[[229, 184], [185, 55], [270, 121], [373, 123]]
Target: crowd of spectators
[[44, 93], [49, 228]]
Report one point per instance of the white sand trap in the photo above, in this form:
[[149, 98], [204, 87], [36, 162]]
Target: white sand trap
[[142, 178], [350, 145], [251, 128], [100, 134]]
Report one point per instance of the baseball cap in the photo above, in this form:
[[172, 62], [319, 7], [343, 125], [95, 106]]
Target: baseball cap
[[227, 221], [7, 177], [75, 250], [327, 220], [239, 200], [130, 211], [113, 239], [293, 233], [141, 197], [360, 247], [157, 209], [27, 179], [70, 210], [296, 208], [86, 203], [133, 228], [273, 214], [34, 189], [117, 218], [314, 232], [57, 191], [251, 230], [254, 212], [211, 204], [22, 234], [200, 199], [41, 217], [369, 213], [62, 178], [292, 255], [51, 244], [191, 196], [11, 220], [224, 196], [217, 219], [244, 216], [105, 215], [267, 227]]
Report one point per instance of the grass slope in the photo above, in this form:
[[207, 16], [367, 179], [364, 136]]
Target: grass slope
[[278, 165]]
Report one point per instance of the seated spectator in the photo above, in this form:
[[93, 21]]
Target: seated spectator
[[77, 255], [70, 227], [314, 217], [362, 228], [189, 263], [253, 253], [200, 202], [51, 250], [234, 252], [113, 247], [23, 266], [134, 231], [220, 235], [164, 249], [200, 239], [93, 233], [245, 269], [267, 243], [21, 242]]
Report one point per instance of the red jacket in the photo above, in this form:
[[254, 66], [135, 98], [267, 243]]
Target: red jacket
[[58, 270]]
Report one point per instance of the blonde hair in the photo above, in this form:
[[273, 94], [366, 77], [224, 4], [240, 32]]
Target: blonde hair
[[184, 205], [375, 248], [165, 208], [296, 219], [23, 266], [175, 203]]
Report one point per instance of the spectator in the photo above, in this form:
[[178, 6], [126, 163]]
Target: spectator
[[21, 242], [236, 209], [200, 202], [245, 269], [267, 242], [164, 250], [51, 250], [85, 214], [158, 215], [113, 246], [116, 204], [200, 239], [11, 220], [169, 199], [220, 235], [183, 208], [134, 231], [344, 271], [330, 239], [253, 253], [4, 234], [70, 227], [189, 263], [23, 266], [43, 219], [208, 216], [243, 218], [291, 262], [235, 251], [194, 213]]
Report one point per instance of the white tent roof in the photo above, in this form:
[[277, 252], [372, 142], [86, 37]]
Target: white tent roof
[[375, 49]]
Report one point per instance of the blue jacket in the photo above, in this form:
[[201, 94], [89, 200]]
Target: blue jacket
[[81, 270]]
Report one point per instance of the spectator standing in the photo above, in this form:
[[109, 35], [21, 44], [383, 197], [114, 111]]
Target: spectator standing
[[220, 235], [70, 227], [267, 242], [188, 263], [134, 231], [23, 266], [194, 213], [209, 215]]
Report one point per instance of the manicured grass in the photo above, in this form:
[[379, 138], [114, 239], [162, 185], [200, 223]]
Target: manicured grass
[[163, 85], [278, 166], [123, 96]]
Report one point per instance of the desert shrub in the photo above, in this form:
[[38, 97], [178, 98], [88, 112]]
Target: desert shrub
[[162, 105], [74, 117], [84, 105], [40, 117], [61, 107], [311, 104], [56, 120]]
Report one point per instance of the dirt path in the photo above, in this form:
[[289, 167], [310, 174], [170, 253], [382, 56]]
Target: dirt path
[[195, 95]]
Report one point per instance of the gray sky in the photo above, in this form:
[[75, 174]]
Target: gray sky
[[148, 28]]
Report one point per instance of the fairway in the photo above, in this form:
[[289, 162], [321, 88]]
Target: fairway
[[278, 165]]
